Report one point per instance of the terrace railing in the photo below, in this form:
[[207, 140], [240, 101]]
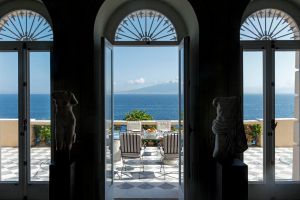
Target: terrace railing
[[9, 130]]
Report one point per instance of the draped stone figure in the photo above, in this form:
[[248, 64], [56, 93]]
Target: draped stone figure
[[65, 121], [228, 127]]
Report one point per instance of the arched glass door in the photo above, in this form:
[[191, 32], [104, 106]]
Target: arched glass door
[[270, 44], [25, 128], [143, 29]]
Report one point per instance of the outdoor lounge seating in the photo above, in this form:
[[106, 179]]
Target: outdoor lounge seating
[[134, 126], [131, 148], [163, 126], [169, 150]]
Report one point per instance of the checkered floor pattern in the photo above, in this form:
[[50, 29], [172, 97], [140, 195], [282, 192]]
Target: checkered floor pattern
[[253, 157], [154, 182], [40, 160], [153, 170], [40, 170]]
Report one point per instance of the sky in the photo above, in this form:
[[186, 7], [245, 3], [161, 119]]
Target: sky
[[284, 72], [145, 66], [133, 68], [138, 67], [8, 72], [39, 72]]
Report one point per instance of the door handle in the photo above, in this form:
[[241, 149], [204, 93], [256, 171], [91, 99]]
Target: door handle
[[273, 124]]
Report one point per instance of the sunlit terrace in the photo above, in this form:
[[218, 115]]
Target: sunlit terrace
[[285, 156]]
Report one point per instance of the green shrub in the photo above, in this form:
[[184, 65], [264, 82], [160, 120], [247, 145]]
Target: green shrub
[[138, 115], [256, 130], [43, 132]]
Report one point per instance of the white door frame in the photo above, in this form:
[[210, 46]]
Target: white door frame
[[24, 188], [186, 86], [269, 188]]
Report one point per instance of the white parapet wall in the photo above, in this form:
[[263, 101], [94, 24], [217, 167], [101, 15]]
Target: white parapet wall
[[146, 122], [9, 131], [284, 132]]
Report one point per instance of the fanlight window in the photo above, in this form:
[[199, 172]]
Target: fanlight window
[[25, 25], [146, 25], [269, 24]]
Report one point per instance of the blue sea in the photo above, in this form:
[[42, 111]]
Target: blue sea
[[39, 106], [159, 106]]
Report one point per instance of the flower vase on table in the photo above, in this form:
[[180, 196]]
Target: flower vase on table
[[150, 136], [150, 133]]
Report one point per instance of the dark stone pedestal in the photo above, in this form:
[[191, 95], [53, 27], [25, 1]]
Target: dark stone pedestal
[[232, 180], [62, 181]]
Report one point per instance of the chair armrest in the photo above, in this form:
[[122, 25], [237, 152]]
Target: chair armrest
[[159, 145], [144, 145]]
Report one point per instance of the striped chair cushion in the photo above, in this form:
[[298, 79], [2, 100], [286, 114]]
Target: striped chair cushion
[[134, 126], [130, 144], [170, 144], [164, 126]]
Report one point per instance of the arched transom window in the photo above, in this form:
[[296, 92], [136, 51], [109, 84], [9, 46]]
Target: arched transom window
[[269, 24], [25, 25], [146, 25]]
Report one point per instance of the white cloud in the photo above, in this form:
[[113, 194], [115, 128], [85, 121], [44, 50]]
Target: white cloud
[[137, 81]]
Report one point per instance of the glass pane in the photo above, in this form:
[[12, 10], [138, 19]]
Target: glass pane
[[287, 116], [269, 24], [146, 25], [181, 115], [25, 25], [9, 123], [40, 133], [253, 113], [108, 115]]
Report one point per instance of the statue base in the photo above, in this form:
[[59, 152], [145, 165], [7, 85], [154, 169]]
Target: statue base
[[232, 180], [62, 179]]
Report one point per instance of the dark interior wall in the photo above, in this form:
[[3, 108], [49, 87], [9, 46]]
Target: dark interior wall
[[73, 69], [217, 74], [291, 7]]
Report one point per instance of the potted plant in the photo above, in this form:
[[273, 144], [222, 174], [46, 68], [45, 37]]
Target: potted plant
[[42, 135], [253, 133]]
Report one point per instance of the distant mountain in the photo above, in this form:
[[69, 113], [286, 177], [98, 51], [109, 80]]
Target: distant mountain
[[165, 88]]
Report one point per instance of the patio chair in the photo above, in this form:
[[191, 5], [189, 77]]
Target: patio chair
[[169, 150], [131, 148], [163, 126], [134, 126], [109, 151]]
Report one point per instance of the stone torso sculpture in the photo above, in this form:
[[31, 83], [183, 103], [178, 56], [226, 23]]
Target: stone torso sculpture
[[230, 138], [65, 121]]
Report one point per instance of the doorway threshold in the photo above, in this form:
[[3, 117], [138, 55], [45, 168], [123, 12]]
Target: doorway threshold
[[145, 199], [140, 190]]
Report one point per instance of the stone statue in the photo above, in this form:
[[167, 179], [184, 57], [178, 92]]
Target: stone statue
[[65, 121], [228, 127]]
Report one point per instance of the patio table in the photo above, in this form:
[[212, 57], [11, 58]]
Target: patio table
[[156, 137]]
